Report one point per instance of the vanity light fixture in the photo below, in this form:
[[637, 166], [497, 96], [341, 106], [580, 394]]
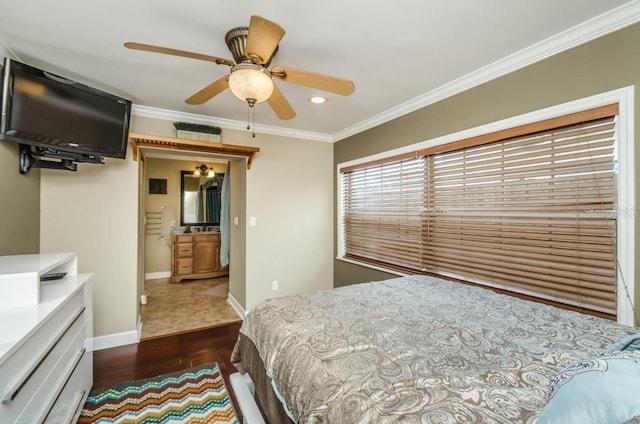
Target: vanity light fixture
[[317, 99], [204, 169]]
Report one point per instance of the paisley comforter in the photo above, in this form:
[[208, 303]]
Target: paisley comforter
[[418, 350]]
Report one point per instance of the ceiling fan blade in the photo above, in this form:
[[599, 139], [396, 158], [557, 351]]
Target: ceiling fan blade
[[209, 91], [280, 105], [175, 52], [262, 40], [310, 79]]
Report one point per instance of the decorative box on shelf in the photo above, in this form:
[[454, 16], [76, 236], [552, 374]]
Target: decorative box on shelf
[[189, 131], [20, 276], [192, 135]]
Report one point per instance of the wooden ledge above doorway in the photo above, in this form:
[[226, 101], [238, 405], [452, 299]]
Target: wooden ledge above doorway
[[144, 140]]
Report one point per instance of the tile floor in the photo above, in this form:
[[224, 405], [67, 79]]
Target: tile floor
[[174, 308]]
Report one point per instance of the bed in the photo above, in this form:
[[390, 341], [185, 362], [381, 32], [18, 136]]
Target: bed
[[420, 349]]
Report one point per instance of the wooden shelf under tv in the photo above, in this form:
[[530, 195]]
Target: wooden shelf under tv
[[144, 140]]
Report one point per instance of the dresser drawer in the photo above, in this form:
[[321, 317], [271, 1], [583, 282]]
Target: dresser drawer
[[184, 250], [36, 348], [184, 239], [45, 406], [36, 365], [184, 266], [68, 405]]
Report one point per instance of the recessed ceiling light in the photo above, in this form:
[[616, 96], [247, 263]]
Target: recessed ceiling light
[[317, 99]]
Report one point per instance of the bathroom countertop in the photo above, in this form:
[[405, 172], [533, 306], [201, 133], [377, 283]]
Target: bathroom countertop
[[195, 232]]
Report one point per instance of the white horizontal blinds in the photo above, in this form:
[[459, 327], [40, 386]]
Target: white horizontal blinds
[[534, 213], [383, 207]]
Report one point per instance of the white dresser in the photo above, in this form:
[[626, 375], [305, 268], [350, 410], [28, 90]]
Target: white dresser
[[46, 366]]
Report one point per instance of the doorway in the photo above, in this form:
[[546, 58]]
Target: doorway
[[193, 303]]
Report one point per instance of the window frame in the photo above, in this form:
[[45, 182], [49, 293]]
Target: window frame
[[624, 143]]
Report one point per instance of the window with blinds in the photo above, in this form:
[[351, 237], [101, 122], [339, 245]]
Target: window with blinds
[[532, 212], [384, 213]]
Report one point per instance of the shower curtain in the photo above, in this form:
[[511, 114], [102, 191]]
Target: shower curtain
[[225, 211], [213, 205]]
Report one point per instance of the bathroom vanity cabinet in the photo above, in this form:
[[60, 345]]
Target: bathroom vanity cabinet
[[195, 256]]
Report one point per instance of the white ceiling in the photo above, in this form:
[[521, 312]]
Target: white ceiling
[[401, 54]]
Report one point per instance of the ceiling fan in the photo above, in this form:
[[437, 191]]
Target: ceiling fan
[[250, 78]]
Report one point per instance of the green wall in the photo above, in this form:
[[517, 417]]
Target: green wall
[[604, 64]]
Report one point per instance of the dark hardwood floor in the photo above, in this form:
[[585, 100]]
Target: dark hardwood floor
[[163, 355]]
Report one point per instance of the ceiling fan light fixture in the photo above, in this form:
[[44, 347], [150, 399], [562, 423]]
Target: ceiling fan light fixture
[[250, 83]]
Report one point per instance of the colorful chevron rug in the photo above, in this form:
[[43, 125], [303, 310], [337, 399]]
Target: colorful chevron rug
[[195, 396]]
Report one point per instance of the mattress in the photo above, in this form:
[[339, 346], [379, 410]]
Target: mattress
[[413, 349]]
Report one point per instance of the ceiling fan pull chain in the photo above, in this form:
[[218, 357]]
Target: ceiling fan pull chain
[[251, 119]]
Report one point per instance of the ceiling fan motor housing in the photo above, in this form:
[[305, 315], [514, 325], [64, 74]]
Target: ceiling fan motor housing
[[236, 40]]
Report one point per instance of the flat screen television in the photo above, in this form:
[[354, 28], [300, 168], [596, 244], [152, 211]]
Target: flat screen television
[[61, 118]]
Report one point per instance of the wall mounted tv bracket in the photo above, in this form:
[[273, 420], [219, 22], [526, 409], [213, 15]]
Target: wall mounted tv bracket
[[38, 157], [29, 159]]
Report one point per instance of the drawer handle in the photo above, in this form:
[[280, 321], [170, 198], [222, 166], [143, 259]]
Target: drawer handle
[[68, 372], [73, 412], [17, 387]]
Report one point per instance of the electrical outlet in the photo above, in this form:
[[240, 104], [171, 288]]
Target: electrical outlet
[[274, 285]]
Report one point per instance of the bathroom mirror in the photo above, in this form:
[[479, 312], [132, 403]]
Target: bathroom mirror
[[200, 199]]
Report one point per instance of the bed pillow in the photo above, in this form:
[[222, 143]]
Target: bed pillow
[[631, 342], [598, 390]]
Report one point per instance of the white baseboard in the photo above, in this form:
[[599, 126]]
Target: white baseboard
[[157, 275], [244, 390], [116, 340], [236, 305]]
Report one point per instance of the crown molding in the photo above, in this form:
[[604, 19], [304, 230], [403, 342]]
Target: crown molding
[[599, 26], [172, 115]]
